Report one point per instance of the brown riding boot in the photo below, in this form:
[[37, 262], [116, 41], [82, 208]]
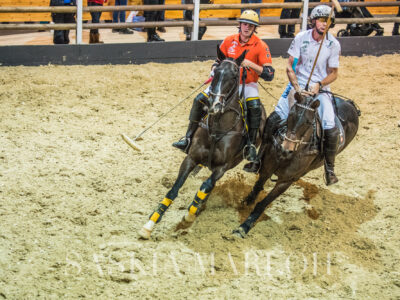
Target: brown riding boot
[[331, 140]]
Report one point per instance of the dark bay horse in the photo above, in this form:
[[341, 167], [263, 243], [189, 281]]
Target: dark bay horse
[[217, 144], [292, 154]]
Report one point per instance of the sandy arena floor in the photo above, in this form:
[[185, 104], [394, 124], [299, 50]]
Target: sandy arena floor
[[73, 194]]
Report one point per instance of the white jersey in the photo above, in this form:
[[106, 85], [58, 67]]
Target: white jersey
[[304, 48]]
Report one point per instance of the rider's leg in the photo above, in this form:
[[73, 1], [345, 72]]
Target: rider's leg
[[281, 113], [331, 137], [196, 113], [254, 119], [271, 126], [254, 112], [396, 25]]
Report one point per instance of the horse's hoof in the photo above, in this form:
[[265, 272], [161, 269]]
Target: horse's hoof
[[239, 233], [189, 218], [146, 230], [144, 233]]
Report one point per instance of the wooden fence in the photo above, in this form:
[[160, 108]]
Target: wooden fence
[[170, 14]]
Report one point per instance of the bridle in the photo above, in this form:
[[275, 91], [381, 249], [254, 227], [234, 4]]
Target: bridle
[[299, 142], [225, 98]]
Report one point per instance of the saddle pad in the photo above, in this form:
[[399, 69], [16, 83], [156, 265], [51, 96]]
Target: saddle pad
[[342, 137]]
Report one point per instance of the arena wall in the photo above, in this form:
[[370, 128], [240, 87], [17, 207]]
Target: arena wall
[[171, 52]]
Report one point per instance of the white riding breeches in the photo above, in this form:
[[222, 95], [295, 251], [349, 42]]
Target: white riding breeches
[[250, 91], [325, 108]]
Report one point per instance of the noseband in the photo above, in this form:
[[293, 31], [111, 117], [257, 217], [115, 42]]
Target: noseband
[[299, 142]]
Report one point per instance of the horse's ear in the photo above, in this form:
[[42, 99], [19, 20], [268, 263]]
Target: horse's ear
[[315, 104], [240, 59], [221, 56], [299, 98]]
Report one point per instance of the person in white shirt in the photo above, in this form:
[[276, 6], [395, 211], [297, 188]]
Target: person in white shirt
[[302, 54]]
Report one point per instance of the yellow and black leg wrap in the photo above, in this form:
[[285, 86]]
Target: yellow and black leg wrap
[[198, 201], [159, 212]]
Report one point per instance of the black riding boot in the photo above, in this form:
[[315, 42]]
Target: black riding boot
[[331, 140], [202, 31], [271, 126], [196, 113], [254, 119], [396, 29]]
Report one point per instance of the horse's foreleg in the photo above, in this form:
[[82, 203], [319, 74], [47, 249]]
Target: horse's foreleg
[[244, 228], [186, 167], [203, 194], [266, 171], [258, 187]]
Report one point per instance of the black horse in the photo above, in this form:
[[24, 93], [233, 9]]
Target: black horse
[[218, 143], [292, 153]]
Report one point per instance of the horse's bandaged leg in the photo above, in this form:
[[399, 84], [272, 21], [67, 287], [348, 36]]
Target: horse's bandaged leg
[[199, 199], [197, 202], [155, 217], [159, 212]]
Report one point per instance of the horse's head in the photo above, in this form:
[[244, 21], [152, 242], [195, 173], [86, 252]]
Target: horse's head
[[225, 84], [299, 124]]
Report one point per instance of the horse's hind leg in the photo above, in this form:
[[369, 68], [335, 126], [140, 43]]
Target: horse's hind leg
[[245, 227], [203, 194], [186, 167]]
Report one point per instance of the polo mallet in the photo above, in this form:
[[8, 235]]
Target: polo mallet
[[335, 4], [132, 143]]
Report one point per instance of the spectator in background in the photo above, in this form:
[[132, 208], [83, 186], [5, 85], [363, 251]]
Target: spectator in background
[[252, 1], [120, 16], [287, 31], [188, 16], [161, 17], [152, 16], [94, 33], [62, 36], [396, 25]]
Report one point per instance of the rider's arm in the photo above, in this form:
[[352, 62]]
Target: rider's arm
[[249, 64], [332, 76], [291, 75]]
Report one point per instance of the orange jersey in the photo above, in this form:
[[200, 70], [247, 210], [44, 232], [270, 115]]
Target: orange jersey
[[258, 53]]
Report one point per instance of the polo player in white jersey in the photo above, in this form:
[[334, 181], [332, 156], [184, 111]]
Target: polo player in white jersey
[[302, 54]]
